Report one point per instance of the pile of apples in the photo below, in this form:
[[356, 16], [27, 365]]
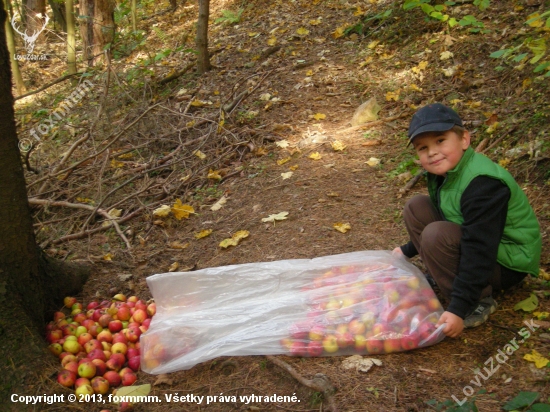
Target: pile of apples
[[99, 345], [371, 309]]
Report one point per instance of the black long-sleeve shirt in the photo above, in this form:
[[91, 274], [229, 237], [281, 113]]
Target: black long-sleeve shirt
[[484, 206]]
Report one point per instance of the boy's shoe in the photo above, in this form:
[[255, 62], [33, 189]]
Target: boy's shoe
[[480, 314]]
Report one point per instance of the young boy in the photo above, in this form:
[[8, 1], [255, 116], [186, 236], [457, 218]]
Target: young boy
[[475, 232]]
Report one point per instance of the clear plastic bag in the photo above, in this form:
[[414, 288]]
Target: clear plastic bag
[[368, 302]]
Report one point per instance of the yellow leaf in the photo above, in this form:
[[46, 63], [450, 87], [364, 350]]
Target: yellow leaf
[[252, 34], [541, 315], [283, 161], [504, 162], [342, 227], [446, 55], [392, 96], [471, 104], [114, 212], [199, 154], [126, 155], [358, 12], [337, 145], [203, 233], [422, 65], [286, 175], [309, 73], [235, 239], [415, 88], [282, 144], [162, 211], [315, 22], [197, 103], [181, 211], [261, 151], [491, 129], [339, 32], [373, 44], [315, 156], [273, 218], [373, 161], [302, 31], [116, 164], [137, 391], [534, 356], [526, 83], [455, 101], [293, 167], [108, 256], [84, 200], [173, 267], [178, 245], [537, 21], [319, 116], [214, 175], [272, 41], [543, 274], [190, 124], [218, 205]]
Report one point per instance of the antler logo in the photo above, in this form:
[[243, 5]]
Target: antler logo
[[29, 40]]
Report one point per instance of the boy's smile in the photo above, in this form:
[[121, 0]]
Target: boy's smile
[[440, 152]]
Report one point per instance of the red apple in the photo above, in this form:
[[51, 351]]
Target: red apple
[[392, 345], [100, 385], [129, 378], [124, 313], [115, 326], [113, 378], [97, 354], [151, 309], [139, 315], [66, 378], [54, 335], [68, 358], [113, 364], [141, 305], [92, 305], [105, 336], [81, 381], [84, 338], [132, 334], [71, 366], [69, 301], [91, 345], [134, 363], [374, 346]]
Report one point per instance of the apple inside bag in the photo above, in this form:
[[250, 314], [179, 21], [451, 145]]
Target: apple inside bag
[[367, 302]]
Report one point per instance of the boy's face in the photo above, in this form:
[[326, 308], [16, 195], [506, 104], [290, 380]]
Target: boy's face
[[440, 152]]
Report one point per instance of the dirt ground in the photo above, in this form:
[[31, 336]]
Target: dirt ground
[[319, 74]]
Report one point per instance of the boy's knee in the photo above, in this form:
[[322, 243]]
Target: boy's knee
[[416, 205], [441, 234]]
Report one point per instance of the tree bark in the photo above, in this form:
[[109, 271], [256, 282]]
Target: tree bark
[[86, 14], [104, 28], [203, 58], [31, 285], [71, 39], [59, 15], [18, 79]]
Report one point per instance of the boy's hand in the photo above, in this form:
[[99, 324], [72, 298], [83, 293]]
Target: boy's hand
[[397, 252], [454, 324]]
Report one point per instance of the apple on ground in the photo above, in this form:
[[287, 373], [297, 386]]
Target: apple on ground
[[100, 385], [84, 390], [100, 367], [129, 378], [69, 301], [87, 369], [81, 381], [134, 363], [113, 378], [66, 378]]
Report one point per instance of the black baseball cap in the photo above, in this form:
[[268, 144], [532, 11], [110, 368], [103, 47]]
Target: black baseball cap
[[434, 117]]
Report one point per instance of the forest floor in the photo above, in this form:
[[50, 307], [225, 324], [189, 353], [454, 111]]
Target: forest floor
[[303, 76]]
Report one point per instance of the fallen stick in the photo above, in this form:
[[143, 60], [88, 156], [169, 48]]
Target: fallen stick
[[59, 80], [412, 182], [319, 383]]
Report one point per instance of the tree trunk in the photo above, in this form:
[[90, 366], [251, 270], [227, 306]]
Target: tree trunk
[[104, 28], [71, 39], [30, 285], [18, 79], [58, 15], [85, 19], [203, 58], [133, 12], [36, 10]]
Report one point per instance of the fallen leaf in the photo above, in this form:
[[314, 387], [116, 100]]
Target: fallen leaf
[[162, 211], [235, 239], [138, 391], [319, 116], [214, 175], [543, 274], [359, 363], [446, 55], [415, 88], [219, 204], [286, 175], [373, 44], [203, 233], [163, 379], [272, 41], [541, 315], [534, 356], [173, 267], [178, 245], [337, 145], [342, 227], [373, 161], [283, 161], [302, 31], [116, 164], [199, 154], [108, 256], [392, 96], [114, 212], [315, 22], [293, 167], [529, 304], [265, 96], [282, 143], [315, 156], [339, 31], [181, 211], [273, 218]]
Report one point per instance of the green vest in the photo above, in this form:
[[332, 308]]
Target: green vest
[[521, 243]]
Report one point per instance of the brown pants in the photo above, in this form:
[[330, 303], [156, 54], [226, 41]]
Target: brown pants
[[438, 243]]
